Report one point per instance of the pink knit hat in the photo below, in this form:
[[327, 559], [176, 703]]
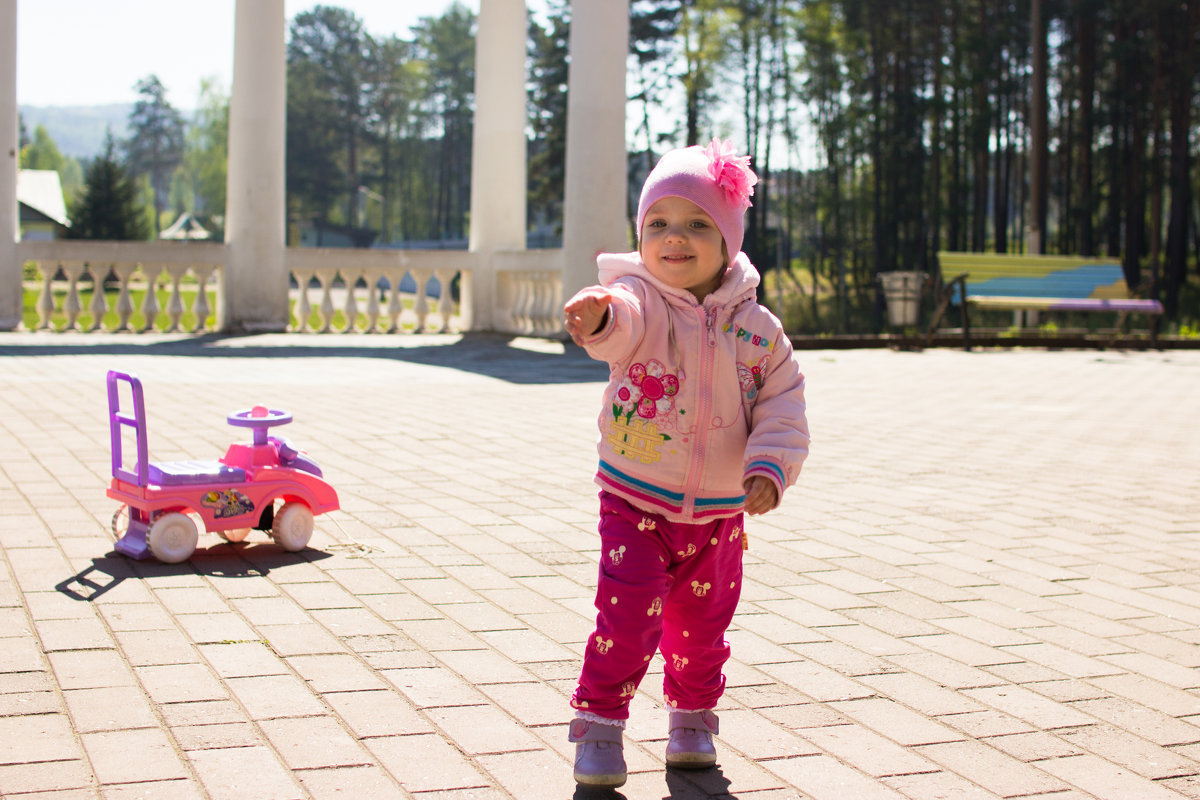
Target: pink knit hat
[[713, 178]]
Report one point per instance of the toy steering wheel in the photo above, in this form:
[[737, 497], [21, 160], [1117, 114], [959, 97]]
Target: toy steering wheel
[[259, 419]]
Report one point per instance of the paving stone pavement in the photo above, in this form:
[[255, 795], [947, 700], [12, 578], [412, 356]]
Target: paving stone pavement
[[986, 584]]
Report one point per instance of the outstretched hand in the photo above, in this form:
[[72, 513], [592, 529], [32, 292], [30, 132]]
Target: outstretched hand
[[584, 313], [761, 495]]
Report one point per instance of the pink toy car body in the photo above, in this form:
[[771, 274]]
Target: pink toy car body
[[231, 495]]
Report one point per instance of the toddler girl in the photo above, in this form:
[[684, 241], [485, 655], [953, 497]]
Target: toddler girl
[[703, 419]]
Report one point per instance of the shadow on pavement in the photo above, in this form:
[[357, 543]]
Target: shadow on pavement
[[507, 358], [224, 560], [585, 793], [704, 784]]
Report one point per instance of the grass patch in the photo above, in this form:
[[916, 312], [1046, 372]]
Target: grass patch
[[821, 310], [111, 319]]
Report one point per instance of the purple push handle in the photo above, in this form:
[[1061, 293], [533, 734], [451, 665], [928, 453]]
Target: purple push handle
[[136, 420], [259, 419]]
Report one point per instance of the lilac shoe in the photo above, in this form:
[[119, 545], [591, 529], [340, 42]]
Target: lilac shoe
[[599, 758], [691, 743]]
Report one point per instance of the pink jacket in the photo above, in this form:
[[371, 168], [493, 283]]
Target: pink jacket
[[699, 397]]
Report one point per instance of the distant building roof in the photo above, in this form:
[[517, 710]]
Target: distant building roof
[[186, 227], [41, 190]]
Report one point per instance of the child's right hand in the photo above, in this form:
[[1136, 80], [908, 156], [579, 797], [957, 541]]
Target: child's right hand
[[585, 312], [761, 495]]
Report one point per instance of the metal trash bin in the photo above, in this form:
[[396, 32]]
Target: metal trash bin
[[902, 290]]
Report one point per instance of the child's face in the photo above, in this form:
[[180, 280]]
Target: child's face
[[682, 247]]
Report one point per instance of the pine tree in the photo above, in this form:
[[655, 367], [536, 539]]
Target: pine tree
[[156, 142], [107, 207]]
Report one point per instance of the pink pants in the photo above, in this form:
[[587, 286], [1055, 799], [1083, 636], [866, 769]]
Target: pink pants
[[663, 585]]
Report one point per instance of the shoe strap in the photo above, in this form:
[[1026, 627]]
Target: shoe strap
[[698, 720], [583, 730]]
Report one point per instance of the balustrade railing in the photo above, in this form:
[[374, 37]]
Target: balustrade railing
[[342, 290], [177, 287], [529, 292], [124, 286]]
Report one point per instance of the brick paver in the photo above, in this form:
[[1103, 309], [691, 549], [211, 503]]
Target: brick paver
[[986, 585]]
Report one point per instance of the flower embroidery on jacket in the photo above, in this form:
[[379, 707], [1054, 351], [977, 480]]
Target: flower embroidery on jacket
[[750, 376], [648, 390]]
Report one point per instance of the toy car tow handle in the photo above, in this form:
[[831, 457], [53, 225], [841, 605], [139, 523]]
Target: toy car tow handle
[[259, 419]]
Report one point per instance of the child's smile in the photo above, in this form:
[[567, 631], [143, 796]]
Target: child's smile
[[682, 247]]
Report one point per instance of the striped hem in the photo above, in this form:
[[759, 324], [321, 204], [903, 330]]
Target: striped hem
[[719, 506], [654, 496], [669, 501]]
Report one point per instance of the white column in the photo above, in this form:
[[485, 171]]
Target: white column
[[256, 280], [594, 196], [498, 177], [10, 269]]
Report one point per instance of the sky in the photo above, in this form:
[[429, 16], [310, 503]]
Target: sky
[[93, 52]]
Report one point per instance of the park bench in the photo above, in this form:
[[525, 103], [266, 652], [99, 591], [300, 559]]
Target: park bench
[[1031, 284]]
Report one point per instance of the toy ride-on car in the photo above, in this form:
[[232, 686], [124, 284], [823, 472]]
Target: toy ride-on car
[[232, 495]]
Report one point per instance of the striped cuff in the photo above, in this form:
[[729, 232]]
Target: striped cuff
[[771, 470]]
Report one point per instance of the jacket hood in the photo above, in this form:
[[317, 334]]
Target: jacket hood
[[739, 282]]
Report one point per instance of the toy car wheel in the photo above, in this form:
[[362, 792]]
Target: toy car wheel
[[120, 521], [235, 535], [172, 538], [293, 526]]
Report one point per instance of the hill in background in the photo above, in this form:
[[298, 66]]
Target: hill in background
[[78, 130]]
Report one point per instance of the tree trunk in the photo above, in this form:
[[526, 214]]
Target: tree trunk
[[1183, 73], [1037, 124], [1086, 35]]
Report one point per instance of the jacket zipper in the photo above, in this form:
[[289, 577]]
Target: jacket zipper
[[704, 413]]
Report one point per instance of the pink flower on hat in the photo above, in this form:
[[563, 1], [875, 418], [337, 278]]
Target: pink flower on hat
[[731, 172]]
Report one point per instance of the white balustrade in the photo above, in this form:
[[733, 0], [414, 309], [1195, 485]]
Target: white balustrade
[[148, 267], [529, 292], [170, 287], [377, 291]]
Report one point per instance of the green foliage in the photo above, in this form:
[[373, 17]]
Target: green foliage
[[198, 185], [653, 34], [71, 178], [397, 80], [155, 145], [41, 152], [327, 110], [816, 307], [1188, 332], [447, 46], [548, 68], [314, 178], [882, 132], [107, 207], [1189, 306], [820, 305], [703, 35], [379, 129]]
